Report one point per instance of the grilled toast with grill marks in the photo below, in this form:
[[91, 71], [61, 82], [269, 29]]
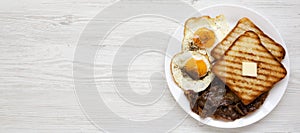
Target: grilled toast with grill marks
[[242, 26], [248, 48]]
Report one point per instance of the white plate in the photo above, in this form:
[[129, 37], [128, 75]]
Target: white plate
[[232, 13]]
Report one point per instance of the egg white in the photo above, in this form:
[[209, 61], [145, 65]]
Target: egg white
[[218, 25], [184, 81]]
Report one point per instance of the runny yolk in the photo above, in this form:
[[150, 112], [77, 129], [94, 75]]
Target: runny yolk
[[204, 38], [195, 68]]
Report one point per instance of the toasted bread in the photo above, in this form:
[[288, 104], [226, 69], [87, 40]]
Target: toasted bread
[[248, 48], [242, 26]]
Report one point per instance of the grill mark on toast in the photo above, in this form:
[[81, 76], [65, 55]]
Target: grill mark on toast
[[261, 65], [276, 49], [253, 85], [260, 71], [271, 62], [251, 55], [242, 78], [240, 92], [246, 86], [269, 45], [274, 67]]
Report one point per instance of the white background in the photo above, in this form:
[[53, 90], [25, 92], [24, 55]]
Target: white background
[[37, 43]]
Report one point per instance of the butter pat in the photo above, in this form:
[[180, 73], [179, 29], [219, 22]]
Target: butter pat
[[249, 69]]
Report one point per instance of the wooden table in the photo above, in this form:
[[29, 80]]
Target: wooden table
[[37, 44]]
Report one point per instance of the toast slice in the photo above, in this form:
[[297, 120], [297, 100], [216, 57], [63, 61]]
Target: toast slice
[[248, 48], [242, 26]]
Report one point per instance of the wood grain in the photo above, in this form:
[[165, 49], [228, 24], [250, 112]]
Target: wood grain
[[37, 44]]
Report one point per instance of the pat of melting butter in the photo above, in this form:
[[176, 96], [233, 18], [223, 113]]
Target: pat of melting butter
[[249, 69]]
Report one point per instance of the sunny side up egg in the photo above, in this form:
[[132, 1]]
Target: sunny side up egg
[[191, 70], [203, 33]]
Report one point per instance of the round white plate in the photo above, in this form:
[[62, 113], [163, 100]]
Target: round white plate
[[232, 13]]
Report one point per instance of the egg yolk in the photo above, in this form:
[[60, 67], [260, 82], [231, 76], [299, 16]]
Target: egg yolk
[[195, 68], [204, 38]]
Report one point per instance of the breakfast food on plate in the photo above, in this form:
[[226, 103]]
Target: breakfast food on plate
[[242, 26], [236, 82], [204, 32], [228, 108], [191, 71], [200, 34], [248, 48]]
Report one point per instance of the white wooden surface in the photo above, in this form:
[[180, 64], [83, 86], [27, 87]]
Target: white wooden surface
[[37, 44]]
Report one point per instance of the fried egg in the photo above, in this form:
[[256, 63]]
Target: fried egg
[[191, 70], [203, 33]]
